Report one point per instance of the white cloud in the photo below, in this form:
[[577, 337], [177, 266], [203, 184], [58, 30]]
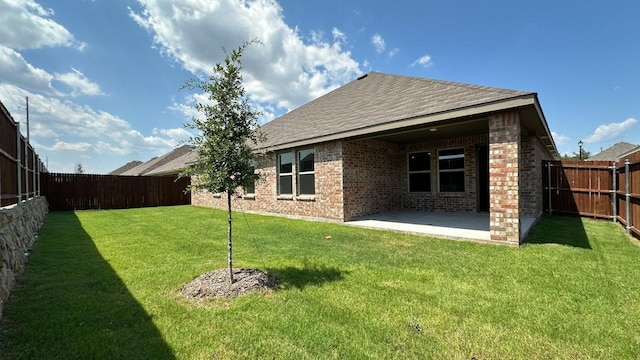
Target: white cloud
[[610, 131], [102, 132], [26, 25], [66, 146], [79, 83], [14, 69], [285, 71], [338, 36], [424, 61], [378, 43], [393, 52], [560, 139]]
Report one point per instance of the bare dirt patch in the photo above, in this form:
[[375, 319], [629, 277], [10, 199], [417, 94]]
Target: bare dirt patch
[[215, 284]]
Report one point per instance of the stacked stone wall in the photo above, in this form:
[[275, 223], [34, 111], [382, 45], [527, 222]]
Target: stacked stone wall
[[19, 226]]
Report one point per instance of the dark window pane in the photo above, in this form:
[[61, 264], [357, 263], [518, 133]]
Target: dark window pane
[[285, 163], [420, 182], [420, 161], [250, 189], [307, 184], [452, 181], [451, 159], [306, 160], [285, 184]]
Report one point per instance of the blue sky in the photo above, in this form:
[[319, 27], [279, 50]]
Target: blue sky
[[103, 77]]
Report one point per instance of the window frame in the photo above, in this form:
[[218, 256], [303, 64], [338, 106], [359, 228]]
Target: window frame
[[300, 173], [287, 174], [410, 172], [456, 170], [245, 192]]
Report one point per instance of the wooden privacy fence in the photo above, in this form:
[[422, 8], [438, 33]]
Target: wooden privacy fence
[[601, 189], [85, 192], [20, 166]]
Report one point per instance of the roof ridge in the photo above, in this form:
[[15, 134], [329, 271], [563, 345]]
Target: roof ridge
[[458, 84]]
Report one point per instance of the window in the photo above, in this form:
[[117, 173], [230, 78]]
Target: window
[[250, 188], [285, 174], [419, 171], [306, 173], [451, 170]]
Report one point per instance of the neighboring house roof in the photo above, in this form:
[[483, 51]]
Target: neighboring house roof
[[613, 152], [125, 167], [630, 152], [176, 165], [145, 168], [378, 102]]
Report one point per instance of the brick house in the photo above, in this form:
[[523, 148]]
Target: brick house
[[386, 142]]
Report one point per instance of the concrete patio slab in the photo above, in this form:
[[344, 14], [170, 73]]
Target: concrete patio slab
[[464, 226]]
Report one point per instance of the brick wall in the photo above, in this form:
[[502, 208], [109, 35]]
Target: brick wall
[[532, 153], [435, 200], [372, 177], [504, 180], [327, 202]]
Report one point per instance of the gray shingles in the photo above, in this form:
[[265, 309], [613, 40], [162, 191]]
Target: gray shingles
[[377, 99], [613, 152], [145, 168]]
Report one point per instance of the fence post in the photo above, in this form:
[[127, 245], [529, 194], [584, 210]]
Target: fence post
[[549, 166], [614, 193], [33, 169], [627, 194], [26, 169], [18, 163]]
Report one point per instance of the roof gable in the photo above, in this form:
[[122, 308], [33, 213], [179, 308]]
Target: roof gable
[[375, 99], [157, 162], [613, 152]]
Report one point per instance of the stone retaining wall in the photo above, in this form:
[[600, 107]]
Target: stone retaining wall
[[19, 227]]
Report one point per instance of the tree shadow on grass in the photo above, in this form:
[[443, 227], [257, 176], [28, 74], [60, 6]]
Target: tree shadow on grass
[[71, 304], [309, 275], [559, 229]]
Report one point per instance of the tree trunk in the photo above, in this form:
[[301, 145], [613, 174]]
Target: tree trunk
[[229, 243]]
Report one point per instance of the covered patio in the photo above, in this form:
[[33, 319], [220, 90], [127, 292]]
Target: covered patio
[[459, 226]]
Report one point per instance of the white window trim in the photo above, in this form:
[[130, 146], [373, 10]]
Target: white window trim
[[409, 172], [305, 196], [463, 169], [293, 164]]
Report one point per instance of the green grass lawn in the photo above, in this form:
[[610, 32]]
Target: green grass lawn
[[105, 285]]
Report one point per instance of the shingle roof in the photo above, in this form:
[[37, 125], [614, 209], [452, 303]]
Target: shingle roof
[[125, 167], [613, 152], [145, 168], [176, 165], [378, 98]]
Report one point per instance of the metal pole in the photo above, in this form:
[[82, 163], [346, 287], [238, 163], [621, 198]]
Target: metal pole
[[18, 163], [549, 166], [627, 186], [614, 194], [26, 156]]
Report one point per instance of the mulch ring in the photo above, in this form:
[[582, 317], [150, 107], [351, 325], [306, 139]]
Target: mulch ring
[[216, 284]]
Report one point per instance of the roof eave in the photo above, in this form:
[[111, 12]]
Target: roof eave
[[476, 110]]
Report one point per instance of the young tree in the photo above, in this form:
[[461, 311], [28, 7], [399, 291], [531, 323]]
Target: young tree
[[79, 169], [225, 132]]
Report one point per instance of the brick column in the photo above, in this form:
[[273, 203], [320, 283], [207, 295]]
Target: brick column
[[504, 159]]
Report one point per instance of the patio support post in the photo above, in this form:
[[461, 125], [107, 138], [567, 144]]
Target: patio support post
[[627, 194], [504, 181], [614, 192]]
